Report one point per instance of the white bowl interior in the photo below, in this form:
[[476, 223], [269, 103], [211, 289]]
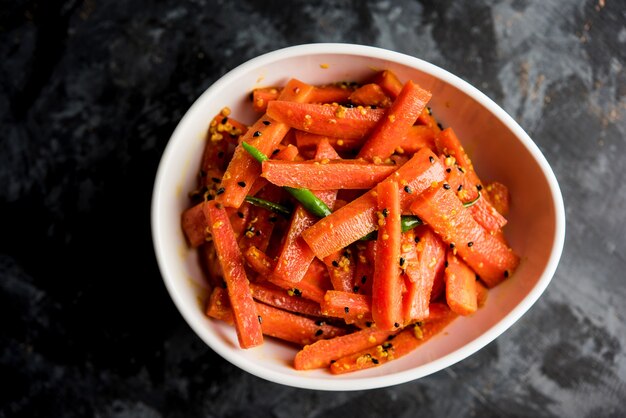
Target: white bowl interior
[[500, 149]]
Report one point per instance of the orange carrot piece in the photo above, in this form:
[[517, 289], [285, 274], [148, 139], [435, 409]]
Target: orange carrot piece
[[214, 159], [322, 353], [484, 253], [238, 219], [307, 141], [386, 288], [487, 215], [409, 261], [460, 286], [259, 225], [264, 135], [330, 120], [223, 132], [347, 305], [418, 287], [413, 306], [210, 265], [262, 96], [341, 269], [259, 261], [464, 183], [287, 153], [320, 94], [389, 82], [481, 294], [449, 144], [427, 119], [330, 94], [403, 343], [358, 218], [313, 285], [327, 175], [370, 95], [279, 298], [363, 276], [296, 256], [388, 134], [194, 225], [498, 195], [276, 322], [232, 263], [432, 257], [418, 137]]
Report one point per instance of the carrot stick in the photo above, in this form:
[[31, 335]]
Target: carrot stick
[[427, 120], [307, 141], [230, 258], [386, 287], [370, 95], [262, 96], [313, 285], [498, 195], [223, 132], [358, 218], [485, 254], [279, 298], [260, 262], [403, 343], [432, 257], [388, 81], [276, 322], [460, 286], [464, 182], [327, 174], [330, 94], [194, 225], [260, 223], [296, 256], [416, 138], [409, 261], [264, 135], [322, 353], [347, 305], [418, 286], [288, 153], [210, 265], [331, 120], [388, 134], [341, 269], [364, 273]]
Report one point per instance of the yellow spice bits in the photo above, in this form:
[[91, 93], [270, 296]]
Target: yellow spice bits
[[417, 332], [340, 112], [308, 121]]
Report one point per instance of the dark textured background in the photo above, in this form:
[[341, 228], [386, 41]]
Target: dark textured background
[[90, 92]]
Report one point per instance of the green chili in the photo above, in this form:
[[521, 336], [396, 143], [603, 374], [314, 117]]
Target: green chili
[[256, 154], [407, 223], [266, 204], [310, 202]]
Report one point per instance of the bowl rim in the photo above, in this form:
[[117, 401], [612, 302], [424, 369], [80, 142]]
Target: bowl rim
[[329, 383]]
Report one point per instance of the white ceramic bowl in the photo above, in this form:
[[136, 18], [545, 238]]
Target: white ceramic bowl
[[500, 149]]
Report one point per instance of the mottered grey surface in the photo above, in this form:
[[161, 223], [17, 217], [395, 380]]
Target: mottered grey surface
[[90, 92]]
